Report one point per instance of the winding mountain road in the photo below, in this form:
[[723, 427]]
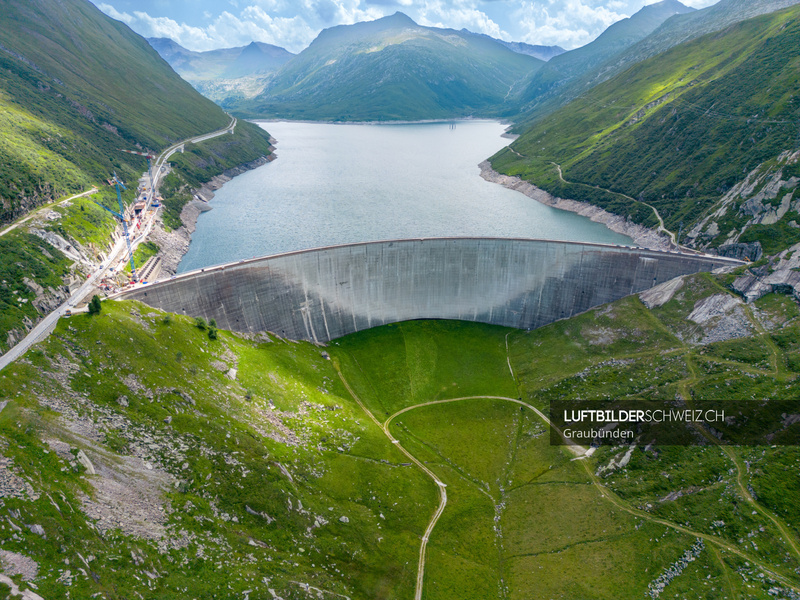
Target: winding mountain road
[[118, 252]]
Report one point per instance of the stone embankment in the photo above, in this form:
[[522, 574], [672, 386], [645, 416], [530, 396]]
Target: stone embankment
[[642, 236], [174, 244]]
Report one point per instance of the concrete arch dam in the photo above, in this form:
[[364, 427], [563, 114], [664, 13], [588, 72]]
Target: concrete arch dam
[[325, 293]]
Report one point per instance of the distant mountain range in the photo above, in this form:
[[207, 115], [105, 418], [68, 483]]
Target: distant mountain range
[[544, 53], [392, 69], [229, 63]]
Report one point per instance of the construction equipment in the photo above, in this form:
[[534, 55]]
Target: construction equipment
[[121, 216], [149, 157]]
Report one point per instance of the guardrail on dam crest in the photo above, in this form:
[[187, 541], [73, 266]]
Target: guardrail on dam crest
[[326, 293]]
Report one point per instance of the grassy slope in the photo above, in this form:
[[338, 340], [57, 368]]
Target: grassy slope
[[25, 256], [554, 84], [225, 453], [522, 520], [75, 86], [85, 223], [677, 130]]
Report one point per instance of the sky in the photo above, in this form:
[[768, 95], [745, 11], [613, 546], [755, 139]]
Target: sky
[[293, 24]]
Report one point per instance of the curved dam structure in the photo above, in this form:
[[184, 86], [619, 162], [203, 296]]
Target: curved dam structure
[[325, 293]]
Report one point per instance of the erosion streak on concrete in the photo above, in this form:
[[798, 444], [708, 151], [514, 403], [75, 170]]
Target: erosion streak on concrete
[[323, 294]]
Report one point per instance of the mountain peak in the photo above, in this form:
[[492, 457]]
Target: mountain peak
[[398, 18]]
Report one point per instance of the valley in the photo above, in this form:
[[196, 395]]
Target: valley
[[212, 453], [272, 465]]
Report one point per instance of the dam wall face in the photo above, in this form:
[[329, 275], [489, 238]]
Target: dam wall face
[[322, 294]]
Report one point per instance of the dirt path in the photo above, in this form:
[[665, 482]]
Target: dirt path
[[36, 211], [578, 450], [426, 470], [605, 493], [661, 228]]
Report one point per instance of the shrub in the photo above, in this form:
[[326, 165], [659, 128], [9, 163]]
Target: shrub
[[95, 305]]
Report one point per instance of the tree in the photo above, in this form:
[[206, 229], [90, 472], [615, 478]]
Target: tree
[[95, 306]]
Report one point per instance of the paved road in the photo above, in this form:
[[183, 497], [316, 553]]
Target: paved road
[[117, 254]]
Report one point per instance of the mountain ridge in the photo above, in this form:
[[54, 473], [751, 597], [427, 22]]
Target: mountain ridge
[[554, 77], [683, 132], [76, 87], [425, 73]]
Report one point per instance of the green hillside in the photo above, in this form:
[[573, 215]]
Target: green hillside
[[148, 459], [686, 27], [551, 82], [678, 131], [392, 69], [75, 87], [649, 32]]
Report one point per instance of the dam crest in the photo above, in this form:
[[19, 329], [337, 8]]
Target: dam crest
[[325, 293]]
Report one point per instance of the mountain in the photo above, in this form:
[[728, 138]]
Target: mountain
[[392, 69], [257, 58], [688, 26], [560, 70], [706, 133], [683, 26], [75, 87], [544, 53], [227, 63]]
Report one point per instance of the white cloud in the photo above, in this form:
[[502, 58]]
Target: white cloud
[[457, 15], [224, 31], [570, 24], [115, 14]]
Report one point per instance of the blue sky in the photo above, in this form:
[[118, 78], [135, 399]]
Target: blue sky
[[293, 24]]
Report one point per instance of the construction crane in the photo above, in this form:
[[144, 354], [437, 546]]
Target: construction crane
[[149, 157], [121, 216]]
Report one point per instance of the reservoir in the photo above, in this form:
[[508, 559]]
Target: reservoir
[[343, 183]]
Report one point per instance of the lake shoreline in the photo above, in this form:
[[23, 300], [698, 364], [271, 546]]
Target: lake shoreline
[[175, 244], [421, 122], [641, 235]]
